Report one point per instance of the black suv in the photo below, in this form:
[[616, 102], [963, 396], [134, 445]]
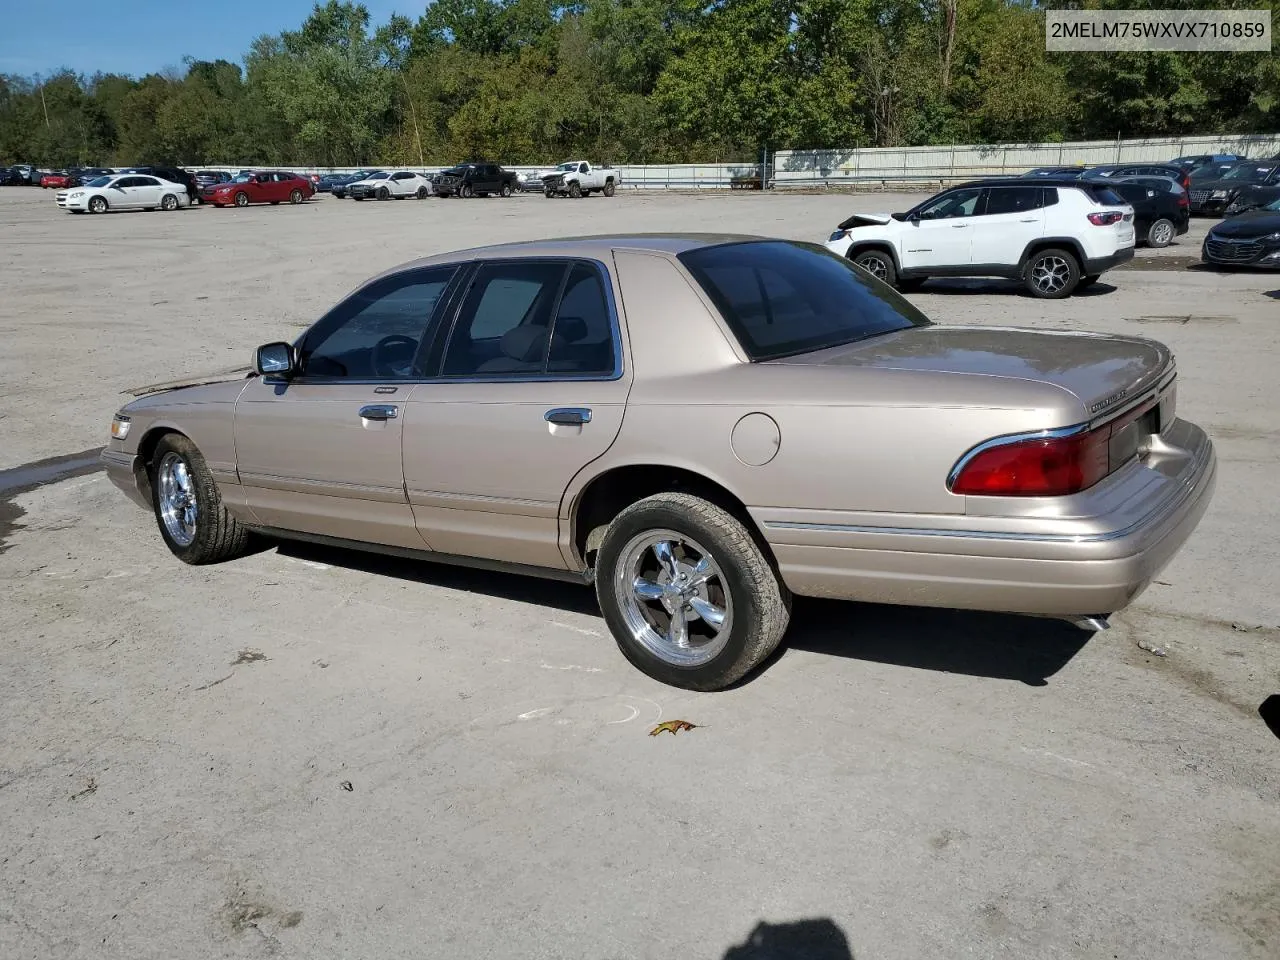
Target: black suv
[[1160, 209], [1248, 184], [173, 175], [476, 180]]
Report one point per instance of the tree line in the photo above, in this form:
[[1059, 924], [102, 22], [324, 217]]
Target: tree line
[[534, 81]]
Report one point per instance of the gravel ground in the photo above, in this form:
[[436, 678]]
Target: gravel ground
[[309, 753]]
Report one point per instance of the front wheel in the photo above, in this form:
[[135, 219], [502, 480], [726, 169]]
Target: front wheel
[[687, 593], [242, 199], [466, 192], [195, 525], [879, 264], [575, 190], [1052, 274], [549, 194], [1160, 233], [384, 193], [97, 205], [422, 193]]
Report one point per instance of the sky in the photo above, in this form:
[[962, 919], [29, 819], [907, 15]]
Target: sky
[[144, 36]]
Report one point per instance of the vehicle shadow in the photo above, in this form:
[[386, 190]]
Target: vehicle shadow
[[1000, 646], [818, 939], [1269, 711], [1273, 294], [963, 287]]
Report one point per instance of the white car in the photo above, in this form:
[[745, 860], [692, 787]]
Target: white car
[[124, 191], [1054, 235], [388, 185]]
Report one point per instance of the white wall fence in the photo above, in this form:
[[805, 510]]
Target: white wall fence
[[887, 168]]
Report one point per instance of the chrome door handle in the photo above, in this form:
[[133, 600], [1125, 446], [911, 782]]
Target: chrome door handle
[[959, 226], [379, 411], [568, 416], [1030, 220]]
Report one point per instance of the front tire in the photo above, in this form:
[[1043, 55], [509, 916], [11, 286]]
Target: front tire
[[384, 193], [689, 596], [466, 193], [423, 193], [195, 525], [1160, 233], [575, 190], [242, 199], [878, 263], [1051, 274], [97, 205]]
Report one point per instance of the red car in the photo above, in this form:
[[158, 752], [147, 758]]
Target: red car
[[58, 181], [267, 186]]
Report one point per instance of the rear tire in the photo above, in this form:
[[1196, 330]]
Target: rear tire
[[196, 527], [1051, 274], [506, 191], [1160, 233], [168, 203], [744, 590], [295, 197], [878, 263], [609, 188]]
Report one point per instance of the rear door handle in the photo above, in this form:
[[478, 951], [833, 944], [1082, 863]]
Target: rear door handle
[[568, 416], [959, 226], [1030, 220], [379, 411]]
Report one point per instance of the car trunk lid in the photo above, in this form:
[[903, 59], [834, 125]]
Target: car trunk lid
[[1107, 374]]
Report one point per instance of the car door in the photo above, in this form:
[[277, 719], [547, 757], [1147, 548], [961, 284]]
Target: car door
[[402, 184], [531, 387], [940, 232], [1142, 199], [282, 184], [150, 189], [320, 453], [1012, 218]]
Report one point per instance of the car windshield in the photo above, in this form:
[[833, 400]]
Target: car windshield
[[568, 165], [781, 299], [377, 176], [99, 182], [1248, 172]]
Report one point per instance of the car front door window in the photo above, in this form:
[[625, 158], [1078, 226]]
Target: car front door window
[[375, 334], [958, 203]]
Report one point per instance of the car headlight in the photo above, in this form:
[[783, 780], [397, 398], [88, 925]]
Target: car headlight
[[1219, 194], [119, 427], [1272, 238], [74, 194]]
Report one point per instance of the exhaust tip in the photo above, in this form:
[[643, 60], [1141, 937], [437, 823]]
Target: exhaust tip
[[1094, 624]]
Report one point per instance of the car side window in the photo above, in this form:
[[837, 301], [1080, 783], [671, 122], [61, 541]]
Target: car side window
[[582, 341], [375, 333], [401, 176], [957, 203], [1012, 200], [1131, 192], [281, 177], [263, 178], [503, 328], [583, 168]]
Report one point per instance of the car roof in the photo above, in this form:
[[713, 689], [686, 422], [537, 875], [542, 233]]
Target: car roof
[[1020, 182], [592, 247]]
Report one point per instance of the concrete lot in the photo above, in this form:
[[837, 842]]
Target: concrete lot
[[315, 754]]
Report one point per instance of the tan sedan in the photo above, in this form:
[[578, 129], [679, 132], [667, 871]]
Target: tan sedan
[[702, 426]]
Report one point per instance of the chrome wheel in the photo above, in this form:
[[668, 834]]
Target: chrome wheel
[[874, 266], [1050, 274], [177, 494], [97, 205], [169, 202], [674, 598], [242, 199]]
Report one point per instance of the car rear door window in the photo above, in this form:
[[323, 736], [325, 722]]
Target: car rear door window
[[376, 332], [503, 328], [1012, 200], [781, 299], [582, 337]]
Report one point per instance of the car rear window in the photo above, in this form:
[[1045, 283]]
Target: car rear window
[[1103, 195], [782, 298]]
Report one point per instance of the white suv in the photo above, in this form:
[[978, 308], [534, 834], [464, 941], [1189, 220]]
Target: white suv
[[1055, 235]]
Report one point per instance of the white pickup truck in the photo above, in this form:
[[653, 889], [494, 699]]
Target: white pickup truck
[[578, 178]]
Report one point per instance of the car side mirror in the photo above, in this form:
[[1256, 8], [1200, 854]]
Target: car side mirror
[[913, 217], [276, 359]]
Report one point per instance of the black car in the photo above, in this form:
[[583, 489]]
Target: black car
[[475, 180], [1112, 170], [1253, 178], [1251, 239], [1037, 172], [173, 175], [1201, 160], [341, 181], [211, 178], [11, 177], [83, 175], [1159, 213]]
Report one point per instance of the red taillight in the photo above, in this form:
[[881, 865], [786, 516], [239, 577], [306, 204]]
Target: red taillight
[[1046, 466], [1184, 200], [1105, 219]]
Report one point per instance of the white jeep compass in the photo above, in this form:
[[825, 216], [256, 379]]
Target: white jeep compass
[[1056, 236]]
